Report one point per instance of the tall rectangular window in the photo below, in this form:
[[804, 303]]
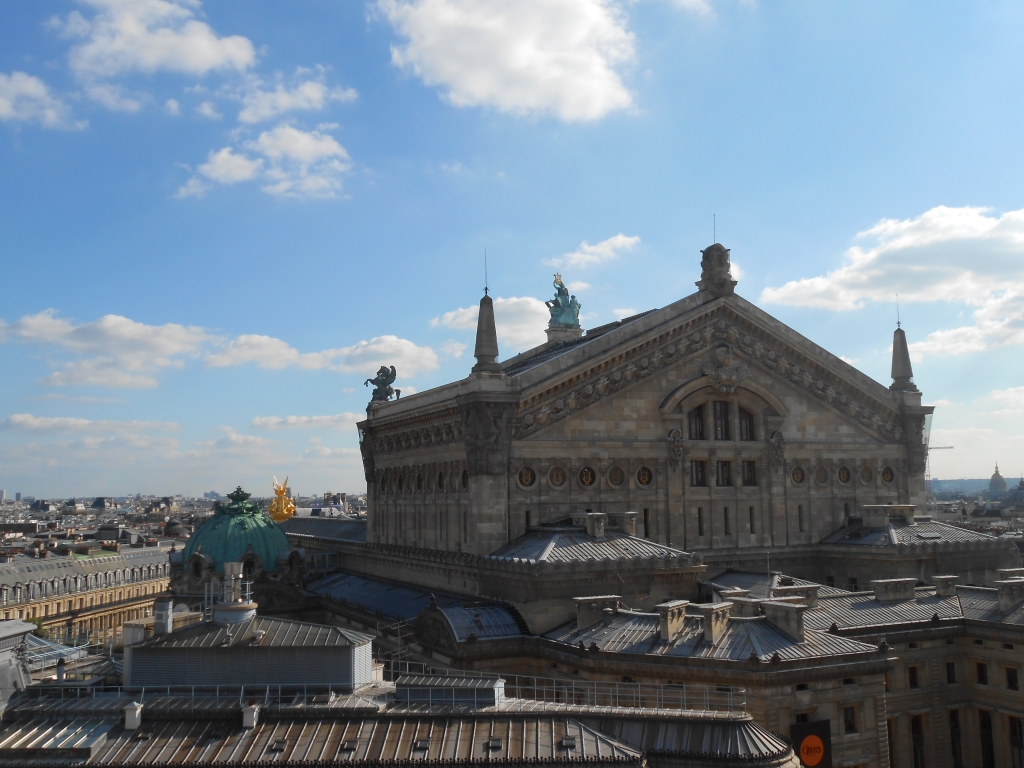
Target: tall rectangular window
[[912, 677], [954, 738], [800, 516], [751, 511], [951, 672], [982, 673], [917, 740], [988, 747], [1017, 742], [849, 720], [750, 473], [746, 425], [700, 521], [647, 523], [696, 420], [890, 731], [698, 474], [725, 520], [721, 420], [724, 472], [1011, 679]]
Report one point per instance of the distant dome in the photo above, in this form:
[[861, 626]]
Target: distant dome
[[238, 528], [997, 485], [175, 530]]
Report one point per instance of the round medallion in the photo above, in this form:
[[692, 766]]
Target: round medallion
[[888, 475], [465, 478], [821, 474], [865, 474], [440, 481], [527, 477], [587, 477], [644, 477], [798, 475], [616, 476], [843, 474], [556, 477]]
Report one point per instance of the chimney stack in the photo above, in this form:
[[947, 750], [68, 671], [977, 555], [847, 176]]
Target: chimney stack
[[163, 616], [590, 610], [890, 590], [945, 586], [1011, 592], [673, 614], [716, 619], [807, 592], [787, 616]]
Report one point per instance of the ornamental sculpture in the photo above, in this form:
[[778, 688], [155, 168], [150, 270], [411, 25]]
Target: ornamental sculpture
[[281, 508], [564, 309], [382, 382]]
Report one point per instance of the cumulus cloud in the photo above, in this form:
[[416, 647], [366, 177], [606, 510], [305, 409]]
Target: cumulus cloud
[[288, 161], [116, 351], [125, 36], [335, 421], [954, 255], [27, 99], [520, 322], [172, 107], [268, 352], [588, 255], [310, 95], [28, 422], [208, 110], [531, 57]]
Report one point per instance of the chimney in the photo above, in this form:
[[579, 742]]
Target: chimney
[[250, 716], [716, 619], [730, 593], [163, 616], [673, 614], [486, 351], [890, 590], [590, 610], [232, 582], [1011, 592], [902, 373], [745, 606], [594, 522], [787, 616], [623, 521], [945, 586], [133, 716], [1010, 573], [807, 592]]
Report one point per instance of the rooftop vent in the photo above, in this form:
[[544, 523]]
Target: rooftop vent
[[716, 619], [945, 586], [787, 616], [807, 592], [673, 614], [890, 590], [1011, 592], [590, 610]]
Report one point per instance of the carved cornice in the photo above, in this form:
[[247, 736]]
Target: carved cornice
[[695, 337], [442, 427]]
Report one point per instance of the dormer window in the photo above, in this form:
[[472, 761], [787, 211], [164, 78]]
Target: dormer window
[[696, 419], [746, 425]]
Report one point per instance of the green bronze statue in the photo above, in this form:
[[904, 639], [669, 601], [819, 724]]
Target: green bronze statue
[[564, 309]]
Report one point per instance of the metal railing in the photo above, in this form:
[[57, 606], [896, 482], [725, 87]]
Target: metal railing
[[594, 693]]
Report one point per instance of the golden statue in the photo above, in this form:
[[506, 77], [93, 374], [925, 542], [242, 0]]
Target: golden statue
[[282, 507]]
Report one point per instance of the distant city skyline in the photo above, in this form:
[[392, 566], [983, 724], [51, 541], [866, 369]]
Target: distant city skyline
[[219, 220]]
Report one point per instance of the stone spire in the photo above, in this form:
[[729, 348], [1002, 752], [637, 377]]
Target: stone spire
[[902, 373], [486, 352]]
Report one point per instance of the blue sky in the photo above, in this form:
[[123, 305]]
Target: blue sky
[[219, 218]]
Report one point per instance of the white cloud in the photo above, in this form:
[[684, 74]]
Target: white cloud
[[621, 314], [453, 349], [124, 36], [309, 95], [578, 285], [172, 107], [116, 351], [25, 98], [696, 7], [520, 322], [113, 97], [268, 352], [294, 163], [225, 167], [530, 57], [28, 422], [340, 421], [209, 110], [954, 255], [408, 358], [588, 255]]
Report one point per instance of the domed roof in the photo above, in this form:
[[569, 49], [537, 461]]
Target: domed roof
[[997, 484], [235, 529]]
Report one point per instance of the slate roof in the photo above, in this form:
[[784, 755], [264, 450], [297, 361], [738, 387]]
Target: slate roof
[[24, 569], [279, 633], [570, 545], [861, 609], [635, 632], [925, 532], [982, 603], [758, 584]]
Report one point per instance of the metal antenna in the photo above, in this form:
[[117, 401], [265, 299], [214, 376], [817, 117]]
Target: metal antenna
[[485, 272], [897, 310], [714, 228]]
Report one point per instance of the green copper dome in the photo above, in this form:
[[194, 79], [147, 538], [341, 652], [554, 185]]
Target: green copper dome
[[235, 529]]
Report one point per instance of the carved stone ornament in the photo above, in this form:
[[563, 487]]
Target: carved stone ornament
[[487, 432], [726, 373], [676, 448], [716, 274], [778, 449], [720, 327]]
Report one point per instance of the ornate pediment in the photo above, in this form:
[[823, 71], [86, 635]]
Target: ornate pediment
[[725, 334]]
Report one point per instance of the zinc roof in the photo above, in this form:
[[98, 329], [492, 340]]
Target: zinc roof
[[897, 533], [634, 632], [861, 609], [278, 633], [347, 529], [760, 584], [485, 621], [723, 740], [570, 545], [982, 603]]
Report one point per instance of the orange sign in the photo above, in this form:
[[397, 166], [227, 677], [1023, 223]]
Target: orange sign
[[812, 750]]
